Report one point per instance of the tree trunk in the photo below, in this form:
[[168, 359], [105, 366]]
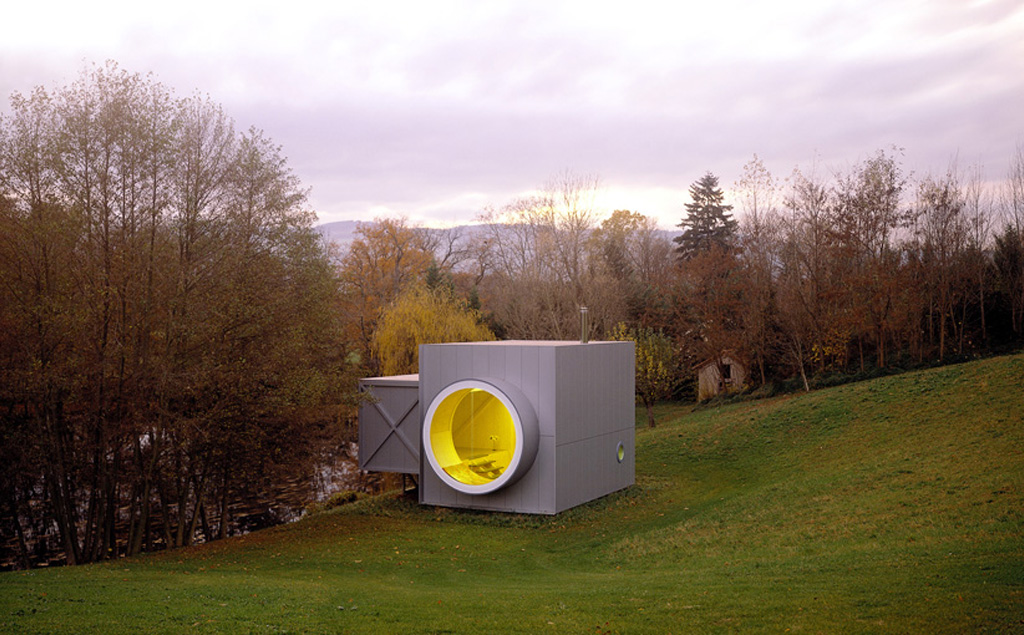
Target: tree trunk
[[224, 499], [59, 484], [194, 522], [165, 514], [23, 558], [182, 507], [981, 305]]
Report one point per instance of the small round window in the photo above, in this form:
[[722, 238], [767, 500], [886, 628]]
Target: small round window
[[475, 438], [620, 452]]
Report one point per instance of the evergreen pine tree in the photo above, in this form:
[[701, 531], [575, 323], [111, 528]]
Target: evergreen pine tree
[[708, 222]]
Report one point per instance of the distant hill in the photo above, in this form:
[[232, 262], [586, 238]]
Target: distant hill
[[341, 232]]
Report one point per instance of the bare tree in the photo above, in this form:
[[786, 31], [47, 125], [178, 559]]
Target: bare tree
[[636, 259], [449, 245], [867, 214], [759, 235], [166, 316], [537, 250], [1013, 191], [943, 231], [1009, 254], [806, 294], [980, 211]]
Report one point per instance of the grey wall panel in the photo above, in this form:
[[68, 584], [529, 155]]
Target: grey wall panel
[[463, 362], [546, 387], [572, 394], [547, 477], [447, 495], [510, 497], [596, 469], [493, 361], [449, 365], [627, 471], [547, 378], [604, 401], [565, 425], [430, 375], [617, 377], [513, 371], [522, 495], [467, 501], [389, 425], [434, 365], [502, 499], [592, 391], [565, 486], [433, 492], [625, 384], [481, 359]]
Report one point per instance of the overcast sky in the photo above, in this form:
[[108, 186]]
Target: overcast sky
[[434, 110]]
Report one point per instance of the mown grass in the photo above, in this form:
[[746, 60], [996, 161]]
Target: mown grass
[[889, 506]]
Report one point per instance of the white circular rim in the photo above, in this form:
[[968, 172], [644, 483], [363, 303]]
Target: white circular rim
[[517, 423]]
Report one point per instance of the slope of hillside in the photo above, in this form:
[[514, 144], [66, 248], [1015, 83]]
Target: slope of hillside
[[895, 505]]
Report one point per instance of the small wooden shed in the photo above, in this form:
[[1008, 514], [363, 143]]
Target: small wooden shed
[[722, 374]]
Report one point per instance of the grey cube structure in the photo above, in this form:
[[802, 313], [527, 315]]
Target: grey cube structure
[[516, 426]]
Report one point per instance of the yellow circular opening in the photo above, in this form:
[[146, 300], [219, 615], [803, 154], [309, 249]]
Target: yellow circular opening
[[472, 436], [620, 452]]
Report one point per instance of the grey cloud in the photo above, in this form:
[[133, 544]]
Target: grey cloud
[[499, 103]]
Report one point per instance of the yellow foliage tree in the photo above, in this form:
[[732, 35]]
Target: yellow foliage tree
[[423, 316], [653, 364], [385, 257]]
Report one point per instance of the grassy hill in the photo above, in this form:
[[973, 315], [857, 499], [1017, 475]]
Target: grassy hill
[[895, 505]]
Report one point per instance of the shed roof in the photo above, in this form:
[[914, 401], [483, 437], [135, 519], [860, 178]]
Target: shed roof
[[538, 343], [393, 380]]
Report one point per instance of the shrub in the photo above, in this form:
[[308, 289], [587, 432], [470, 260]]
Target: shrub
[[337, 499]]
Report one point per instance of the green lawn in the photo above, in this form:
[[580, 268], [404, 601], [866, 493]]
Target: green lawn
[[890, 506]]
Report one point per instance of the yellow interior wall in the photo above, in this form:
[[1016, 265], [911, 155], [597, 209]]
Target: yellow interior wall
[[472, 436]]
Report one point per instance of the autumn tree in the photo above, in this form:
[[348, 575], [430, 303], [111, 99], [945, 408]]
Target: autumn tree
[[943, 234], [385, 257], [710, 301], [536, 252], [866, 213], [1008, 256], [655, 368], [804, 280], [759, 235], [167, 316], [635, 256], [980, 210], [1013, 190], [421, 315], [1009, 253]]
